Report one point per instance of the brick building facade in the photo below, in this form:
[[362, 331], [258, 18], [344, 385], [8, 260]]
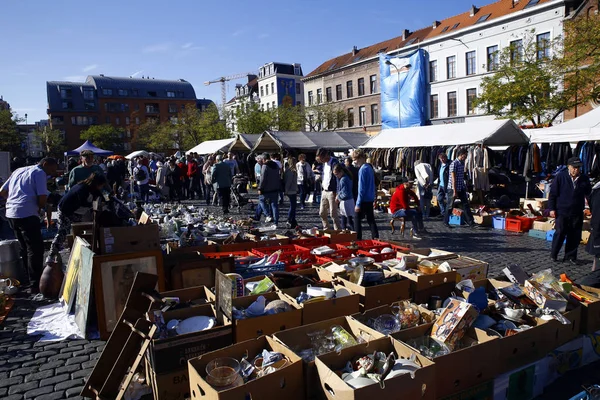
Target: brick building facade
[[121, 102]]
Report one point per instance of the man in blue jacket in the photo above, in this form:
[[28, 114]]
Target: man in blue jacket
[[566, 203]]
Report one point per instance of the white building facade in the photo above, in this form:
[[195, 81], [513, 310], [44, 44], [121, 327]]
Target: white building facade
[[462, 50], [280, 84]]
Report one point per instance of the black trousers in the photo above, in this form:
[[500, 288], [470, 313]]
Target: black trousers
[[29, 234], [366, 210], [225, 194], [569, 227]]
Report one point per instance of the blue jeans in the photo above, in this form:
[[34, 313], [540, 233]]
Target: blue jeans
[[425, 200], [292, 211], [273, 198], [441, 198], [144, 191], [303, 193], [416, 217]]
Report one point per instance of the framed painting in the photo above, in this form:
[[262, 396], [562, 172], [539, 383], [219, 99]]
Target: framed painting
[[84, 290], [113, 278], [71, 280]]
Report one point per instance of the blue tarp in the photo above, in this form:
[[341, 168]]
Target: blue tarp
[[409, 74], [88, 146]]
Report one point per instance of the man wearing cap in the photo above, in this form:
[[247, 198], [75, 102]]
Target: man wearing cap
[[566, 203], [85, 169]]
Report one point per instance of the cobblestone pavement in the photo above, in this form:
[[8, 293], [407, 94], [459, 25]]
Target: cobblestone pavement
[[56, 370]]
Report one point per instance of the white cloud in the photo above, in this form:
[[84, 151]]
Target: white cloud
[[263, 36], [137, 73], [237, 33], [75, 78], [157, 48], [187, 45], [90, 67]]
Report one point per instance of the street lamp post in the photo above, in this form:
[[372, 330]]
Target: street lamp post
[[398, 71]]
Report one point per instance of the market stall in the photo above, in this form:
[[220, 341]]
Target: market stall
[[139, 153], [309, 141], [490, 133], [583, 128], [212, 146], [243, 142], [88, 146]]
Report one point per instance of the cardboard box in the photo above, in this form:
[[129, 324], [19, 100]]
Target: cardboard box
[[469, 366], [485, 220], [173, 385], [421, 387], [272, 237], [468, 268], [172, 353], [561, 333], [538, 204], [251, 328], [324, 309], [338, 236], [544, 297], [129, 239], [373, 313], [524, 347], [433, 254], [590, 313], [421, 282], [297, 339], [484, 391], [375, 296], [285, 383], [196, 294], [545, 225], [454, 321], [442, 291], [173, 248]]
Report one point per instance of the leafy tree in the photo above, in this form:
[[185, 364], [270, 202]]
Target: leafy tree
[[289, 118], [52, 141], [251, 119], [324, 117], [105, 136], [211, 125], [539, 79], [10, 139]]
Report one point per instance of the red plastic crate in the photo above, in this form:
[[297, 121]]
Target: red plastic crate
[[378, 257], [338, 256], [519, 224], [365, 244], [298, 267], [288, 253], [224, 254], [311, 243]]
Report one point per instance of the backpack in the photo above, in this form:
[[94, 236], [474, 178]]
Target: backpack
[[140, 175]]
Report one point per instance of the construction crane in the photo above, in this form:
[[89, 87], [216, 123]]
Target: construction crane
[[223, 80]]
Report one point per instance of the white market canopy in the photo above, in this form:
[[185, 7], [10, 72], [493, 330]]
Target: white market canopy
[[211, 146], [584, 128], [489, 132], [139, 153]]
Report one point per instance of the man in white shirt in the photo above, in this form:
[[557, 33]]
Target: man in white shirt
[[328, 195], [141, 174], [424, 176]]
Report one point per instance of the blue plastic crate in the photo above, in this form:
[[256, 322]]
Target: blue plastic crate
[[537, 234], [499, 222], [455, 220]]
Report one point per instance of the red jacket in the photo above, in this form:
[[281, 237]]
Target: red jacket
[[401, 199], [192, 168]]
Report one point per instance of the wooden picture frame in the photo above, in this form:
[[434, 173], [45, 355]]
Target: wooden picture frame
[[113, 276], [84, 290], [190, 270]]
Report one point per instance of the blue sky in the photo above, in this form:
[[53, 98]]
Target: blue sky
[[196, 40]]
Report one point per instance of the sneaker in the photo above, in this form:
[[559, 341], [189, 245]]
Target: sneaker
[[415, 237], [268, 219], [288, 225]]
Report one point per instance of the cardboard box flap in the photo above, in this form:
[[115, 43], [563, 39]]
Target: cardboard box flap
[[127, 343]]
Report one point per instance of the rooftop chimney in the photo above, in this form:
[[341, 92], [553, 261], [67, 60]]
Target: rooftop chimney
[[474, 10], [354, 50], [436, 24], [405, 34]]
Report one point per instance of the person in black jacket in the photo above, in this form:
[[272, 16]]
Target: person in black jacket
[[566, 203], [78, 198], [593, 245]]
